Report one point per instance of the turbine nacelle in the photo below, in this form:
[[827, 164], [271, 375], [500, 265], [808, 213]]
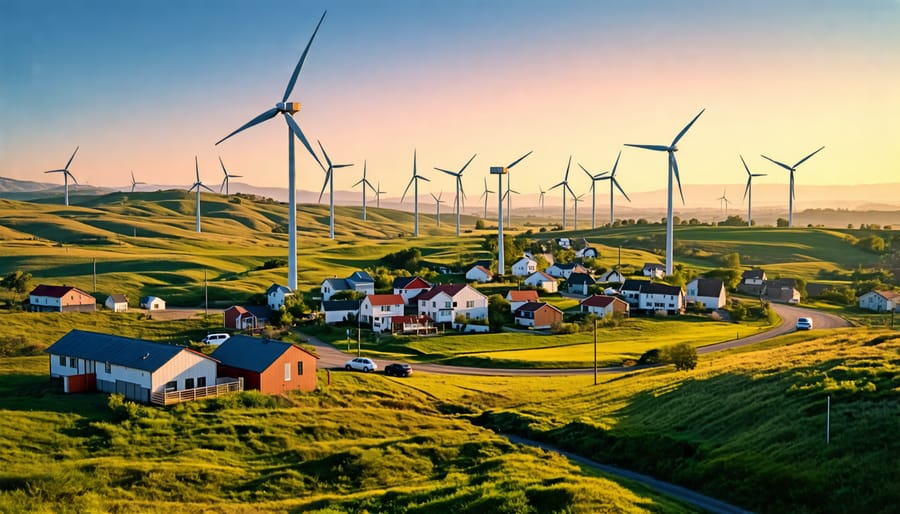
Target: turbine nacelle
[[499, 170], [288, 107]]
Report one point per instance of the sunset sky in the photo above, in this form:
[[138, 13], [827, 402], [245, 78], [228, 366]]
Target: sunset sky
[[145, 85]]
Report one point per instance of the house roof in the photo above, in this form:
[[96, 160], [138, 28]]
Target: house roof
[[543, 276], [653, 266], [275, 287], [535, 306], [121, 351], [605, 277], [632, 284], [54, 291], [756, 273], [340, 305], [240, 310], [385, 299], [360, 277], [526, 295], [577, 279], [709, 286], [450, 289], [119, 298], [415, 318], [600, 300], [525, 259], [887, 295], [481, 269], [483, 262], [568, 266], [149, 299], [252, 353], [658, 288], [338, 284], [410, 283], [262, 312]]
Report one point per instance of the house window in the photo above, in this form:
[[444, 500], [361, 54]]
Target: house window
[[72, 362], [201, 382], [287, 371], [470, 304], [62, 361], [385, 308], [189, 383], [171, 386], [299, 368], [108, 368], [447, 305]]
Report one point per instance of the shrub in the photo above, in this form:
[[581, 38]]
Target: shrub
[[682, 355], [650, 357]]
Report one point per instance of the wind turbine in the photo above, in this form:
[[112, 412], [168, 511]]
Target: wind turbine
[[594, 179], [613, 182], [565, 185], [576, 199], [378, 193], [541, 199], [365, 183], [329, 181], [723, 200], [500, 171], [438, 202], [487, 192], [791, 195], [673, 170], [748, 191], [66, 174], [415, 178], [288, 109], [197, 185], [459, 188], [227, 176], [134, 182]]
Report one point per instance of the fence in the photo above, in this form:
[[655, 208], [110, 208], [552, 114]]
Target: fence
[[186, 395]]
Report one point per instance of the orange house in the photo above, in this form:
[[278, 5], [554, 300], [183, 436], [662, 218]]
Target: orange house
[[273, 367], [538, 315]]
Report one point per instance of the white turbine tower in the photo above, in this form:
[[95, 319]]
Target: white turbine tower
[[748, 191], [67, 174], [459, 188], [378, 193], [500, 171], [437, 203], [791, 195], [227, 176], [541, 199], [576, 199], [594, 179], [329, 181], [487, 192], [365, 183], [134, 182], [673, 171], [197, 185], [565, 185], [288, 109], [724, 201], [415, 179]]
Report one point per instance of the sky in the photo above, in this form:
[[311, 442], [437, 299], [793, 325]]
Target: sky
[[146, 85]]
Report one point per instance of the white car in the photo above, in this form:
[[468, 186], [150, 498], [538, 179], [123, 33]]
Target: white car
[[363, 364], [804, 324], [215, 339]]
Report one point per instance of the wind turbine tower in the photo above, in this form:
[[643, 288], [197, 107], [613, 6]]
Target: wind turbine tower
[[541, 199], [576, 199], [134, 182], [791, 195], [487, 192], [724, 201], [459, 188], [329, 181], [227, 176], [288, 109], [197, 185], [66, 175], [565, 185], [594, 179], [365, 183], [673, 171], [437, 203], [415, 179], [613, 182], [378, 193], [500, 171], [748, 191]]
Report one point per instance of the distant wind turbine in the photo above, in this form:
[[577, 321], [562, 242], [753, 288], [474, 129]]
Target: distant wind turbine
[[613, 182], [748, 191], [329, 181], [134, 182], [594, 179], [197, 185], [487, 192], [541, 199], [288, 109], [576, 199], [365, 183], [227, 176], [673, 171], [459, 188], [415, 179], [723, 202], [565, 186], [500, 171], [437, 203], [791, 195], [67, 174], [378, 193]]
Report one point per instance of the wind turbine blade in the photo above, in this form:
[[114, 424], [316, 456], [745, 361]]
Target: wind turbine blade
[[557, 185], [293, 81], [255, 121], [360, 181], [222, 187], [76, 151], [448, 172], [132, 179], [72, 177], [519, 160], [801, 161], [658, 148], [616, 183], [677, 177], [327, 159], [467, 164], [403, 196], [567, 169], [616, 165], [204, 186], [223, 167], [235, 176], [745, 165], [299, 133], [324, 184], [426, 179], [587, 172], [747, 189], [783, 165], [685, 129], [197, 169]]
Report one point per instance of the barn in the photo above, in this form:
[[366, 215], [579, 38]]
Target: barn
[[273, 367]]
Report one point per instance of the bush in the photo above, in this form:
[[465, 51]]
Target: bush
[[650, 357], [682, 355]]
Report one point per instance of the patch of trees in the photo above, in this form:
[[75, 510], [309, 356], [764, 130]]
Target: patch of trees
[[733, 221], [273, 264], [682, 355], [873, 244], [17, 282], [498, 312], [409, 259]]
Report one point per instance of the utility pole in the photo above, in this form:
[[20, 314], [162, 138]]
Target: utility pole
[[95, 274], [619, 268], [206, 294], [828, 422], [595, 351]]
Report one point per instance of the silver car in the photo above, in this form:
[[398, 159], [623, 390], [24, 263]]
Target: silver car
[[363, 364]]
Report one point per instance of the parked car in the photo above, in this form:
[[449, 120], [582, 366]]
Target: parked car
[[398, 370], [804, 323], [361, 364], [215, 339]]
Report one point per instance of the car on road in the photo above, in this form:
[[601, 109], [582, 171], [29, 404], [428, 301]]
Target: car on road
[[215, 339], [398, 370], [363, 364], [804, 324]]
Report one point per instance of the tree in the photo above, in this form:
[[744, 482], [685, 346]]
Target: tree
[[781, 222], [498, 312], [16, 282], [872, 244], [479, 224], [731, 260], [408, 259], [682, 355]]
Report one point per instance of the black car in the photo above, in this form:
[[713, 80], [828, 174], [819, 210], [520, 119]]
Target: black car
[[398, 370]]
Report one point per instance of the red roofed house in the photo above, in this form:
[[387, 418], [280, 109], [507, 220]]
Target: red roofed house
[[601, 305], [60, 299], [479, 273], [410, 287], [378, 309], [517, 298], [251, 317], [444, 302], [543, 281], [538, 315], [414, 324]]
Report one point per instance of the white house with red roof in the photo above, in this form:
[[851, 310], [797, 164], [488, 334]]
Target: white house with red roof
[[46, 298], [543, 281], [410, 287], [444, 302], [378, 309], [479, 273], [880, 301], [601, 305], [517, 298]]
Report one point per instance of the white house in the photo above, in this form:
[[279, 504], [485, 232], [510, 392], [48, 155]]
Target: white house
[[378, 309], [116, 303], [880, 301], [654, 270], [558, 270], [543, 281], [588, 252], [133, 367], [631, 291], [753, 277], [479, 273], [602, 305], [336, 311], [579, 283], [359, 281], [661, 297], [275, 296], [517, 298], [153, 303], [443, 303], [410, 287], [524, 267], [709, 291], [611, 276]]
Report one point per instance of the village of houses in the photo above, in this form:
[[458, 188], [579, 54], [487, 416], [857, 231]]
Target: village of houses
[[160, 373]]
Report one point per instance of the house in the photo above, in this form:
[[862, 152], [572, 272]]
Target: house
[[543, 281], [517, 298], [246, 317], [631, 291], [654, 270], [410, 287], [336, 311], [880, 301], [272, 367], [603, 305], [708, 291], [524, 267], [558, 270], [579, 283], [359, 281], [444, 302], [752, 282], [142, 371], [276, 296], [378, 309], [611, 276], [153, 303], [413, 324], [479, 274], [588, 252], [564, 242], [538, 315], [780, 293], [655, 297], [44, 298], [116, 303]]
